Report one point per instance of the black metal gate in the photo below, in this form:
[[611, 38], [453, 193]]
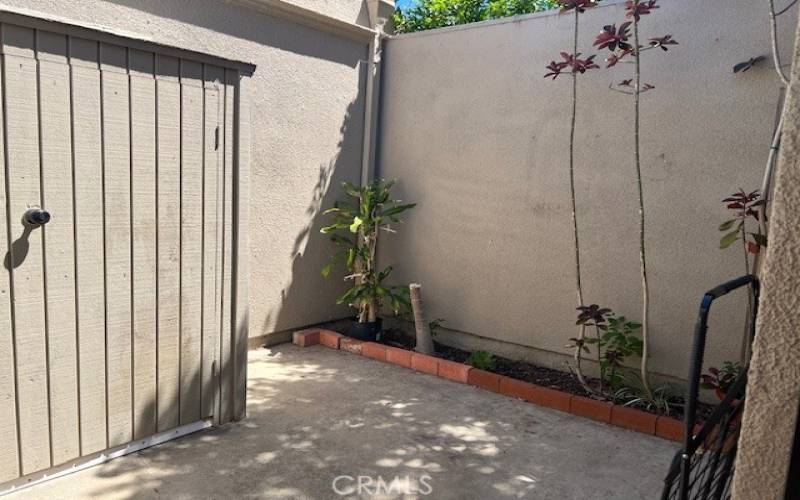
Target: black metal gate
[[703, 468]]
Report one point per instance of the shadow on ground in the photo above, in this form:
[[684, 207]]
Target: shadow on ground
[[316, 414]]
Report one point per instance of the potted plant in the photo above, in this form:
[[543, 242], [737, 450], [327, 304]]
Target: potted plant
[[357, 223]]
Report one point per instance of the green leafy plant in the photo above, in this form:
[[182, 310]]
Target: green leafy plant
[[664, 399], [745, 207], [618, 340], [721, 380], [615, 340], [481, 360], [357, 223], [431, 14]]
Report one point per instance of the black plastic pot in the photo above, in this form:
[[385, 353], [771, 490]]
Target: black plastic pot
[[366, 331]]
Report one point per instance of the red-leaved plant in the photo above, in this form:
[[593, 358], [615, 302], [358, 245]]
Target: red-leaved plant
[[721, 380], [745, 207], [623, 42], [575, 65]]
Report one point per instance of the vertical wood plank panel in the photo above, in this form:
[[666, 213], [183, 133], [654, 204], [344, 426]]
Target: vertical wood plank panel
[[191, 237], [213, 82], [56, 154], [26, 256], [241, 224], [220, 219], [143, 171], [87, 152], [116, 178], [169, 212], [226, 354], [9, 452]]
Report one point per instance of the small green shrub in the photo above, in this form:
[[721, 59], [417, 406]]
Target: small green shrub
[[481, 360], [665, 399], [721, 380], [616, 340]]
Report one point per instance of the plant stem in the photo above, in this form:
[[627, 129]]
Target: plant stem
[[578, 287], [642, 255], [745, 337], [599, 356], [776, 58]]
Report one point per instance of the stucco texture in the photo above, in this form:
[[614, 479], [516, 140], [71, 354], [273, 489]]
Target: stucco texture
[[479, 139], [307, 114], [773, 395], [351, 11]]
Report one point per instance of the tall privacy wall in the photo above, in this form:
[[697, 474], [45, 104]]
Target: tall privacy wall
[[479, 139]]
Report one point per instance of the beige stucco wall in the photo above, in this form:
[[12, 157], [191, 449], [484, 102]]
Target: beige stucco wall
[[351, 11], [773, 395], [479, 139], [307, 126]]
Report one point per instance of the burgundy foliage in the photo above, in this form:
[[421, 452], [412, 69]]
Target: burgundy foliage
[[636, 8], [611, 37], [662, 42], [743, 205], [574, 62], [613, 59], [580, 5], [592, 315]]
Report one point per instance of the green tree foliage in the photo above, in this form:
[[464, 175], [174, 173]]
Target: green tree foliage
[[430, 14]]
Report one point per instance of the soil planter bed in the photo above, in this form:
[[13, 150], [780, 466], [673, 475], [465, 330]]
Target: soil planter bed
[[602, 411]]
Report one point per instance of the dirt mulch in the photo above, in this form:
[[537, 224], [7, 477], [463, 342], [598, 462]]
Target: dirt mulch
[[519, 370]]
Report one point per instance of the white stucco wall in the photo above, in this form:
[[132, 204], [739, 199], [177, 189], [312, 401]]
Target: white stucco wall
[[307, 127], [479, 139]]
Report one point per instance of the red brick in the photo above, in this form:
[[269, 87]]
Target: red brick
[[551, 398], [374, 351], [591, 408], [305, 338], [329, 338], [633, 419], [424, 363], [484, 379], [398, 356], [669, 428], [516, 388], [457, 372], [350, 345]]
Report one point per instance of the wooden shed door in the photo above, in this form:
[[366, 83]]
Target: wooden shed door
[[111, 314]]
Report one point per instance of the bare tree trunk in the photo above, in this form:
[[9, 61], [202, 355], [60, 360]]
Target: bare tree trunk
[[577, 354], [424, 339], [642, 255]]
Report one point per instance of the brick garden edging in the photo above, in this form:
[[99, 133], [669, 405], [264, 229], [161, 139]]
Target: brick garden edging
[[601, 411]]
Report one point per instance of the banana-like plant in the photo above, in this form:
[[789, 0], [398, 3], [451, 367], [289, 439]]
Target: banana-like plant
[[357, 223]]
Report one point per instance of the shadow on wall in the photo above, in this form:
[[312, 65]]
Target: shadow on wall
[[246, 23], [311, 248], [281, 301], [19, 248]]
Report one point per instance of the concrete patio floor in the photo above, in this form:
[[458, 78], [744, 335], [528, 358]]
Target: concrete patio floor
[[315, 414]]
